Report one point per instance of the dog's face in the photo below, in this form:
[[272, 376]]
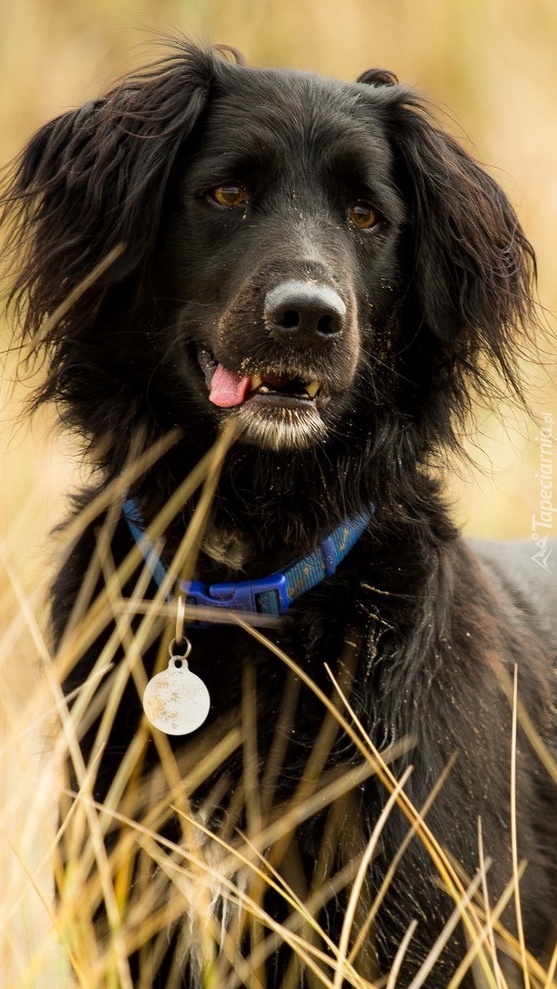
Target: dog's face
[[281, 255]]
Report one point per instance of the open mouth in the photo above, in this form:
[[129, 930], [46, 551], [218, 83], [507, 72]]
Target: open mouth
[[228, 389], [284, 386], [276, 409]]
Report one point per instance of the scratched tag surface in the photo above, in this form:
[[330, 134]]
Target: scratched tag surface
[[176, 701]]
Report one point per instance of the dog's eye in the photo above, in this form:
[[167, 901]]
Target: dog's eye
[[230, 194], [363, 216]]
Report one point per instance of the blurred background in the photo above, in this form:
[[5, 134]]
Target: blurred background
[[490, 66]]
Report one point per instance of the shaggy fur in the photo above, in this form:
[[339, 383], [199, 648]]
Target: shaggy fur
[[284, 230]]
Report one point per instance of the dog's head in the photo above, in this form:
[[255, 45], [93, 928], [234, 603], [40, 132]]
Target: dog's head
[[279, 262], [317, 260]]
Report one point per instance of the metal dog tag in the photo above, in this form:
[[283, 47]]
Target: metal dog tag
[[176, 701]]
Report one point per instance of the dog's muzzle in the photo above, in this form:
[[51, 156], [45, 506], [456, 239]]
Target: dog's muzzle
[[280, 404]]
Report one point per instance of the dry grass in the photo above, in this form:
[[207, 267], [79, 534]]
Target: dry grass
[[56, 943]]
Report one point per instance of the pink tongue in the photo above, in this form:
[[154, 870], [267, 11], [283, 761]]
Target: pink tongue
[[228, 388]]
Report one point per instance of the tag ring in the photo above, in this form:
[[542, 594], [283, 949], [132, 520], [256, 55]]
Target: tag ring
[[179, 650]]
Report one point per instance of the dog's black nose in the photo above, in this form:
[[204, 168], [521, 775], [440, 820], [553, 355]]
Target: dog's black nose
[[305, 314]]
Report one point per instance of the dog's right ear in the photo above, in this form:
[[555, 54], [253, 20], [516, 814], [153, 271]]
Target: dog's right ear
[[91, 185]]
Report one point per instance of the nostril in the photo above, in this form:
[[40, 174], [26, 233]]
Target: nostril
[[290, 320], [329, 324]]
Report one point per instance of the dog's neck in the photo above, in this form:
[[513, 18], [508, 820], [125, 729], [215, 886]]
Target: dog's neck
[[271, 595]]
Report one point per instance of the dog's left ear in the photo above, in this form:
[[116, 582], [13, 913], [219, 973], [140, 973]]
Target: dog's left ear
[[472, 267]]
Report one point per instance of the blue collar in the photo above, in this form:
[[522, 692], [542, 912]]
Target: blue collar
[[270, 596]]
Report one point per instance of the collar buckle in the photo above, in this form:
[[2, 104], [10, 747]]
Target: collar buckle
[[265, 596]]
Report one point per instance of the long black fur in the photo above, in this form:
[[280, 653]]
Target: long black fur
[[438, 294]]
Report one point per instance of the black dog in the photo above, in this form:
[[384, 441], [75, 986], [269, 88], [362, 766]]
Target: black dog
[[320, 266]]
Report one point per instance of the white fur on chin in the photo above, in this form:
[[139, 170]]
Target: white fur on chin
[[280, 428]]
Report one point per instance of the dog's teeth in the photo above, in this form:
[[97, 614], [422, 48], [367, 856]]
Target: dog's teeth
[[264, 390], [312, 388], [256, 382]]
